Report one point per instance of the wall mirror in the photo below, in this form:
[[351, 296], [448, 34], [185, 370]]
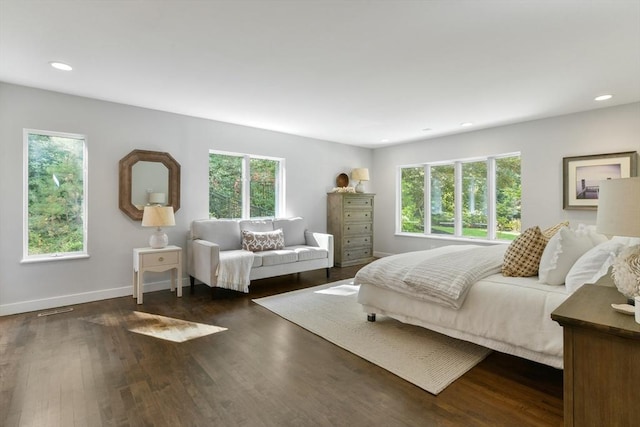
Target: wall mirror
[[148, 178]]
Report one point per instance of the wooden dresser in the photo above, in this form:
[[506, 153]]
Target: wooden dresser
[[350, 220], [601, 359]]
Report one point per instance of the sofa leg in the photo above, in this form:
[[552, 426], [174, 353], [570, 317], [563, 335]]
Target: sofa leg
[[328, 272], [371, 317], [192, 280]]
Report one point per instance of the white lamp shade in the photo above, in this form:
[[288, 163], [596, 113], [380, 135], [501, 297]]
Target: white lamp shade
[[619, 207], [158, 216], [157, 198], [360, 174]]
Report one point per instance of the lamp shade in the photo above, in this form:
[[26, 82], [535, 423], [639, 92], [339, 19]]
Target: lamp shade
[[157, 198], [158, 216], [619, 207], [360, 174]]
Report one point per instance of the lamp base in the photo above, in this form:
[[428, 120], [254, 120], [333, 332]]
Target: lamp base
[[360, 188], [159, 239]]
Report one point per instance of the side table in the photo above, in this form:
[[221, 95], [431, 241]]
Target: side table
[[150, 259], [601, 355]]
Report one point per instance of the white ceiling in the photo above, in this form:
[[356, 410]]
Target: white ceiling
[[367, 73]]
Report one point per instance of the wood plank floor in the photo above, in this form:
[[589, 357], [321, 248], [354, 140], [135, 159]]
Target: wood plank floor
[[62, 370]]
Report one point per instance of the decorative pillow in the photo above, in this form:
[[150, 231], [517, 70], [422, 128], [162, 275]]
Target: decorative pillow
[[563, 250], [593, 264], [522, 257], [551, 231], [256, 241], [293, 229]]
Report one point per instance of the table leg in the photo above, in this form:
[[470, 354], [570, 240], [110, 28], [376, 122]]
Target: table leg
[[179, 274], [140, 283], [135, 284]]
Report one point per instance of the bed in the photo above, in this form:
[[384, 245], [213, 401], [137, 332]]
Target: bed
[[508, 314]]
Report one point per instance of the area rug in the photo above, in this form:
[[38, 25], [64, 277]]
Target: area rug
[[154, 325], [425, 358]]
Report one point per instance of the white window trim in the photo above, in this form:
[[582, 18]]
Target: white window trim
[[457, 236], [246, 190], [63, 256]]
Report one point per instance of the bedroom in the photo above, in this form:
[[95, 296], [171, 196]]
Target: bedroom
[[114, 129]]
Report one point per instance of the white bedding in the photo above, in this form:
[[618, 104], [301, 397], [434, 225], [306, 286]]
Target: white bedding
[[443, 277], [507, 314]]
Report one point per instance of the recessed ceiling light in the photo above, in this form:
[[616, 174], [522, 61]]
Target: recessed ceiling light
[[465, 124], [61, 66], [384, 140], [603, 97]]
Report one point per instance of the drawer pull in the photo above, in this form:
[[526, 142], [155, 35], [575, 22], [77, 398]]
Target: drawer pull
[[161, 259]]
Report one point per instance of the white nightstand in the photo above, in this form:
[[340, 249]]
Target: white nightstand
[[149, 259]]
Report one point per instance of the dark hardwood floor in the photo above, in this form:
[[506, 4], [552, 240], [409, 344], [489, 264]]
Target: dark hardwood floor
[[61, 370]]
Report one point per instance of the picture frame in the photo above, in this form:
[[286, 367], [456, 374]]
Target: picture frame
[[581, 175]]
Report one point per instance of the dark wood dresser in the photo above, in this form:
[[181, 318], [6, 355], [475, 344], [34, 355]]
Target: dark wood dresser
[[601, 359]]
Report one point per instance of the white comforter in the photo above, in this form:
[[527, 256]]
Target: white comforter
[[441, 276], [507, 314]]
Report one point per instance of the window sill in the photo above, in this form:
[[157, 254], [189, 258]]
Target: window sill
[[453, 238], [51, 257]]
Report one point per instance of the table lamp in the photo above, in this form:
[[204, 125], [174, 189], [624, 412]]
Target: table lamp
[[360, 174], [157, 198], [158, 216], [619, 215]]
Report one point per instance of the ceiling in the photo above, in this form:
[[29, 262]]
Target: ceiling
[[366, 73]]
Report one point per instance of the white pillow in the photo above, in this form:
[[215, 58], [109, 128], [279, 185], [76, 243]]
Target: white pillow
[[593, 264], [563, 250]]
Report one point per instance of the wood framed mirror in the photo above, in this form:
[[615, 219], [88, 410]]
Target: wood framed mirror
[[148, 177]]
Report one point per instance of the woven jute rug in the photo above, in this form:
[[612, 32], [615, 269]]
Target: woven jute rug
[[425, 358]]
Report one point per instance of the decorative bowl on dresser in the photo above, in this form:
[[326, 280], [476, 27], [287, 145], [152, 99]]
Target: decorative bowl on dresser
[[350, 220]]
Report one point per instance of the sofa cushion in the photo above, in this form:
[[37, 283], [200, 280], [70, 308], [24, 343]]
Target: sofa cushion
[[275, 257], [293, 229], [306, 253], [256, 225], [256, 241], [223, 232]]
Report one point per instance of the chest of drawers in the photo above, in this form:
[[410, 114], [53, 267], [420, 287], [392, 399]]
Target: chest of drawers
[[350, 220]]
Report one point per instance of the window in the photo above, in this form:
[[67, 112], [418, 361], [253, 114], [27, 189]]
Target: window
[[230, 197], [55, 187], [478, 198]]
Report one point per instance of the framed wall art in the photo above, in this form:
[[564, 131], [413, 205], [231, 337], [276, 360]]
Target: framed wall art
[[582, 175]]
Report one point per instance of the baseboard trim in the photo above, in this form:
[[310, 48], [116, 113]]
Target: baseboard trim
[[379, 254], [80, 298]]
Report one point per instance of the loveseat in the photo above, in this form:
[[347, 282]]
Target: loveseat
[[230, 253]]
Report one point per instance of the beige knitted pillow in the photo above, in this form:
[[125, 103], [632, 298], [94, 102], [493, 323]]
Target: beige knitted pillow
[[522, 257]]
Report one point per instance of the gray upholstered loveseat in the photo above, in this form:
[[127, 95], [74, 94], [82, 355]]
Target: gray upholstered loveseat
[[215, 254]]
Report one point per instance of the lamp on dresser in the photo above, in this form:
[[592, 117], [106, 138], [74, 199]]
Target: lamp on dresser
[[360, 174], [619, 215], [158, 216]]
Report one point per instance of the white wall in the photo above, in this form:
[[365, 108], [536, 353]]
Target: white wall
[[542, 143], [112, 131]]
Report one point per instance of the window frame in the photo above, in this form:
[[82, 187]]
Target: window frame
[[458, 195], [56, 256], [280, 181]]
